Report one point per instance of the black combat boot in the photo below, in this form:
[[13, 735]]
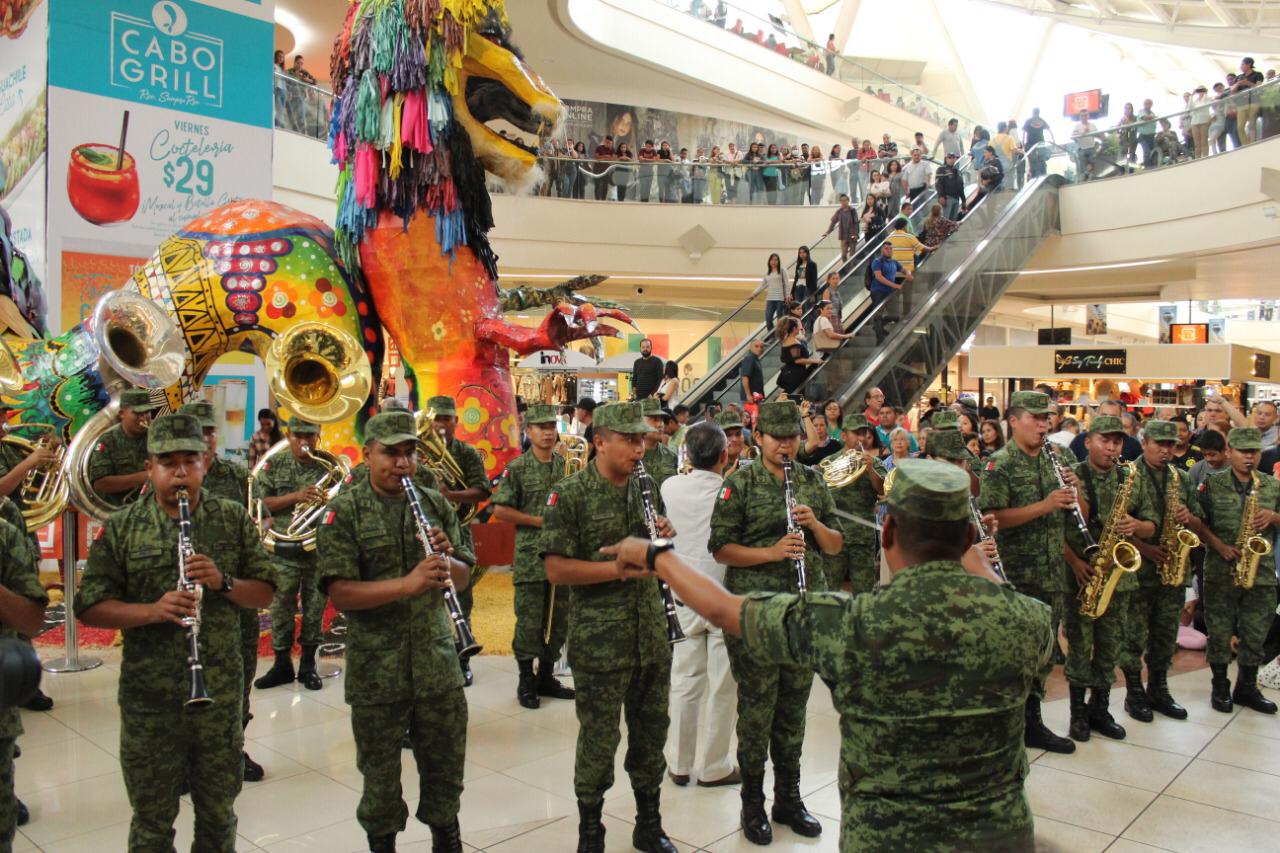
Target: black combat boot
[[382, 843], [1136, 704], [549, 685], [24, 814], [788, 808], [1158, 695], [527, 686], [1079, 715], [38, 702], [446, 838], [1247, 692], [307, 675], [1037, 734], [755, 822], [590, 829], [468, 678], [281, 672], [1100, 719], [648, 834], [1220, 698]]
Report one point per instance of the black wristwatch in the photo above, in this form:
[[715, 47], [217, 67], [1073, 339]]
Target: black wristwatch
[[228, 583], [657, 546]]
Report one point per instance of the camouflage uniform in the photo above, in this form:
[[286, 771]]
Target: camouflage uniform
[[929, 676], [856, 562], [661, 462], [473, 473], [10, 457], [162, 744], [115, 454], [402, 667]]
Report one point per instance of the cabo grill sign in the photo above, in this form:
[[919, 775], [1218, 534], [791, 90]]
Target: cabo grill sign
[[1106, 361], [161, 61]]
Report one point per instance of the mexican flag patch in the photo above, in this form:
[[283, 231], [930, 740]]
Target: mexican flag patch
[[725, 493], [328, 518], [551, 498]]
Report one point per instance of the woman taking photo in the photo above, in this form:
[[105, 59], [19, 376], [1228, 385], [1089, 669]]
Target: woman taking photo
[[775, 291], [797, 363]]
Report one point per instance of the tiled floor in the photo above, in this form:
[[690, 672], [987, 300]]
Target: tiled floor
[[1207, 784]]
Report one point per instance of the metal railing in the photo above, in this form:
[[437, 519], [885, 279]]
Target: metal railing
[[301, 107]]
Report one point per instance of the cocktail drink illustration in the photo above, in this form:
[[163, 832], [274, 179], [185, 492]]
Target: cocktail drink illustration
[[102, 183]]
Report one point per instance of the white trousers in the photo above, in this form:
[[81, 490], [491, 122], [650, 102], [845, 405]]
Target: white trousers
[[700, 670]]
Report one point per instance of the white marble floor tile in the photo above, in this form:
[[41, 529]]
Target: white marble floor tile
[[511, 741], [1186, 827], [1227, 787], [1082, 801], [52, 764], [289, 807], [497, 807], [1053, 836], [75, 808], [1119, 761]]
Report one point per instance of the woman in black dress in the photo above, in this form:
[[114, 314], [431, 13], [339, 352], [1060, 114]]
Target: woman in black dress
[[797, 363]]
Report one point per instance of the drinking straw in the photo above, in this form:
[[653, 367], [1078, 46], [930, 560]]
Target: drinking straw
[[124, 131]]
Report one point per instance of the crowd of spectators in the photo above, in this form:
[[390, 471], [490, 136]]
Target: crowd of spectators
[[300, 105]]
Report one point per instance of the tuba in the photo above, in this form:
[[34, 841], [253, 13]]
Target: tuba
[[1115, 556], [321, 373], [1251, 546], [842, 469], [1178, 542], [435, 454], [300, 536]]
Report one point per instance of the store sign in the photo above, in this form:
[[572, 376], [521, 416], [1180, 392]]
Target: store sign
[[1095, 361], [1189, 333]]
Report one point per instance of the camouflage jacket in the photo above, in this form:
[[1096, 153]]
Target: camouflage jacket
[[1220, 502], [858, 499], [10, 456], [227, 480], [752, 511], [135, 560], [1032, 552], [283, 474], [929, 676], [473, 473], [1156, 483], [116, 454], [524, 486], [18, 574], [660, 463], [404, 649], [617, 624], [1099, 491]]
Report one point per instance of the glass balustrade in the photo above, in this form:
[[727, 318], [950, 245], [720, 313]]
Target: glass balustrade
[[301, 107]]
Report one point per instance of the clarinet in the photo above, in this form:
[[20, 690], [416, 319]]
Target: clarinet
[[197, 694], [463, 640], [997, 565], [789, 492], [674, 633], [1090, 544]]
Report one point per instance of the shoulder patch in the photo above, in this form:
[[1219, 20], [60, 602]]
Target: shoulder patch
[[101, 446], [552, 498], [1203, 487], [725, 493], [328, 518], [991, 465]]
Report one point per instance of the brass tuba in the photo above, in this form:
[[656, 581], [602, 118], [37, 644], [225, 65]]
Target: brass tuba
[[1115, 556], [842, 469], [1178, 542], [434, 453], [1252, 547], [320, 372], [300, 536]]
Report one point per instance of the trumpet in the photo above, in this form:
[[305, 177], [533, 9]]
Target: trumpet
[[675, 634], [789, 493], [463, 640], [300, 536], [434, 453], [975, 514], [197, 693], [1090, 545]]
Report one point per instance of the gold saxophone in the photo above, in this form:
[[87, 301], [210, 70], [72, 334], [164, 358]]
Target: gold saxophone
[[1177, 541], [1116, 555], [1251, 546]]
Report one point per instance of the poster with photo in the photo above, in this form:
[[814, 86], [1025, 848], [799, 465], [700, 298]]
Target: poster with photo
[[24, 30], [589, 122], [1095, 322], [1167, 317]]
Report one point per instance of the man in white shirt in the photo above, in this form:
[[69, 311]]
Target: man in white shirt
[[1086, 147], [916, 175], [700, 668], [949, 141]]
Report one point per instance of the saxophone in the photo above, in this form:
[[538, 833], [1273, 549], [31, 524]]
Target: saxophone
[[1177, 541], [1115, 556], [1251, 546]]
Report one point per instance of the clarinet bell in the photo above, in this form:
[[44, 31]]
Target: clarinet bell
[[464, 642], [199, 697], [674, 633]]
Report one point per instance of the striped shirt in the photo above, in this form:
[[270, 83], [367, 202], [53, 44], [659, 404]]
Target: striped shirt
[[905, 247]]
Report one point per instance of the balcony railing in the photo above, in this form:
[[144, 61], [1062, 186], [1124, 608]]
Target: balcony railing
[[301, 107]]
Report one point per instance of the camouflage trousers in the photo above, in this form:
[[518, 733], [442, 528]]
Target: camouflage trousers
[[437, 726], [1152, 627], [1055, 599], [159, 751], [8, 803], [1247, 613], [641, 693], [1094, 646], [294, 578], [249, 631], [531, 621], [466, 598], [772, 702], [854, 565]]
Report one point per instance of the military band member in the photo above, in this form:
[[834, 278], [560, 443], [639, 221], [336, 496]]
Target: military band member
[[659, 459], [731, 422], [117, 462], [130, 584], [289, 479], [854, 569], [932, 730], [521, 499], [749, 535], [1229, 608], [402, 672], [230, 481], [423, 478], [1020, 489], [445, 422], [1154, 608], [618, 645]]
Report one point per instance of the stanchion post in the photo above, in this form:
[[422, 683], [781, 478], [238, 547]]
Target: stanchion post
[[72, 661]]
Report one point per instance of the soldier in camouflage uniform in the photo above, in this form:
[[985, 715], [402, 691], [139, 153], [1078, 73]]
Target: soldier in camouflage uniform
[[521, 499], [230, 481], [130, 584], [749, 535], [731, 423], [423, 477], [931, 750], [445, 422], [285, 481], [116, 462], [617, 630], [1019, 487], [1094, 646], [854, 568], [659, 459], [1229, 608], [1155, 609], [402, 670]]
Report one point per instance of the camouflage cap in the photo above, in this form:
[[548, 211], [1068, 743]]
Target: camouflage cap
[[626, 418], [1242, 438], [297, 426], [1105, 425], [390, 428], [204, 412], [729, 420], [540, 413], [442, 406], [652, 408], [1035, 402], [175, 434], [947, 444], [779, 419], [138, 400], [1160, 430], [393, 404], [854, 422], [931, 490], [946, 419]]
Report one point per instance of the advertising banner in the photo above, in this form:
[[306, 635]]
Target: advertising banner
[[24, 32]]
